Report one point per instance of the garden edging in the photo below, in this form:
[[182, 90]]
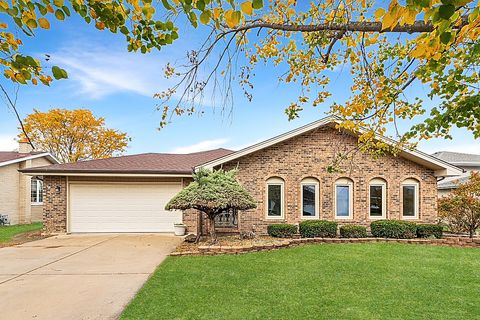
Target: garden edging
[[285, 243]]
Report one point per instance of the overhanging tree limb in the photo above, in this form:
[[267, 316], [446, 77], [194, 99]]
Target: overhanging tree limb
[[353, 26]]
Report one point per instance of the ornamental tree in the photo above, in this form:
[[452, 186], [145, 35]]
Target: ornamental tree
[[461, 209], [386, 47], [73, 135], [212, 192]]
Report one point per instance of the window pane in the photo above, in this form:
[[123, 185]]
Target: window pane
[[33, 191], [343, 201], [274, 200], [409, 201], [40, 190], [376, 201], [308, 200]]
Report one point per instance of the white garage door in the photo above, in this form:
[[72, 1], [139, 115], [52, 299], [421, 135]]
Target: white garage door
[[122, 207]]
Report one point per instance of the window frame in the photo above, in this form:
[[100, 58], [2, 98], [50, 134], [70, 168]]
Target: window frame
[[416, 208], [378, 182], [275, 181], [344, 182], [38, 191], [309, 182]]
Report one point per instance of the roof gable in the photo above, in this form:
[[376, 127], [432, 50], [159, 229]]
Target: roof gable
[[440, 167], [11, 157]]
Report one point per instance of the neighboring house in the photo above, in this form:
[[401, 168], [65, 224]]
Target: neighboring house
[[467, 161], [21, 196], [286, 174]]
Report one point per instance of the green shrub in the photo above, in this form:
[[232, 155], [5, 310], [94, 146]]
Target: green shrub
[[353, 231], [282, 230], [429, 230], [393, 229], [318, 228]]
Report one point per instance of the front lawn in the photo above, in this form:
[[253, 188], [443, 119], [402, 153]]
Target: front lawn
[[329, 281], [7, 233]]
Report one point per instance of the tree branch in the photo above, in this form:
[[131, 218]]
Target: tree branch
[[354, 26]]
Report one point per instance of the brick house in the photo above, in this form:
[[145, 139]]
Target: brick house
[[21, 195], [286, 174]]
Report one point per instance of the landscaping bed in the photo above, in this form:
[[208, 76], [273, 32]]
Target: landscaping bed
[[235, 245]]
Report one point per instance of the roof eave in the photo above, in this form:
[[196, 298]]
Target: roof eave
[[35, 156], [106, 174]]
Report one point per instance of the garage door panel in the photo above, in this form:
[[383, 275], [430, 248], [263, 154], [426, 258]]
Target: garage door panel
[[122, 207]]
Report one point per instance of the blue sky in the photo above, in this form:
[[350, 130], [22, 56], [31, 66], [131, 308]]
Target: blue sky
[[119, 86]]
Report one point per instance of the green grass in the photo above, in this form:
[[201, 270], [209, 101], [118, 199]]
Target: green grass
[[329, 281], [8, 232]]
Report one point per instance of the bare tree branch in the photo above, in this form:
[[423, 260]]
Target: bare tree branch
[[13, 104]]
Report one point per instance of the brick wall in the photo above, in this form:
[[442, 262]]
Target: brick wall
[[54, 204], [309, 155]]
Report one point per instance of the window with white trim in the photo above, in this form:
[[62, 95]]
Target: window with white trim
[[275, 198], [36, 191], [344, 198], [377, 199], [410, 199], [310, 198]]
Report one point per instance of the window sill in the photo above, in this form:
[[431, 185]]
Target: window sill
[[309, 217], [410, 218], [36, 203], [275, 218], [343, 218], [377, 218]]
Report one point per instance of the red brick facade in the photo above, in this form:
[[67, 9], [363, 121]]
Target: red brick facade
[[304, 156], [308, 155]]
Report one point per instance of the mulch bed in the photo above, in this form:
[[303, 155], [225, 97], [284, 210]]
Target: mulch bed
[[235, 245], [24, 238], [226, 241]]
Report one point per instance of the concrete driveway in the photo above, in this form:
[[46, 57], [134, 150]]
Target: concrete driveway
[[78, 276]]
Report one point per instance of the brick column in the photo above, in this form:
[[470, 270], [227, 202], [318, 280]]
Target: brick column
[[54, 204]]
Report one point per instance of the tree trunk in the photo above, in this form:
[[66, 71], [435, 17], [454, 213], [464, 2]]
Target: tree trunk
[[199, 226], [211, 227], [472, 232]]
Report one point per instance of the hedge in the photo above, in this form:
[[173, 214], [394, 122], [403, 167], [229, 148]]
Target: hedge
[[282, 230], [353, 231], [397, 229], [429, 230], [318, 228]]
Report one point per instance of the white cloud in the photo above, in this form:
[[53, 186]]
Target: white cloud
[[7, 142], [201, 146], [100, 70]]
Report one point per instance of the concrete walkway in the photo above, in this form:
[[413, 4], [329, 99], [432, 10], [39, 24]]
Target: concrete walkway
[[78, 276]]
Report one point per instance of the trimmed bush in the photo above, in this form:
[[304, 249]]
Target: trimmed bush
[[353, 231], [396, 229], [282, 230], [318, 228], [429, 230]]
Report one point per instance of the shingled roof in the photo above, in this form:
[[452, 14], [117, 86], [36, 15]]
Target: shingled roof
[[145, 163], [458, 158]]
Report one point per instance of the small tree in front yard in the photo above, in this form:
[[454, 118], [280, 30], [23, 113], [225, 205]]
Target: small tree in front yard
[[212, 192], [461, 209]]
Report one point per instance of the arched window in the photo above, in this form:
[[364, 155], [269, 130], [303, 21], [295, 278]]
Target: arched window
[[275, 198], [377, 196], [344, 198], [310, 198], [410, 199]]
